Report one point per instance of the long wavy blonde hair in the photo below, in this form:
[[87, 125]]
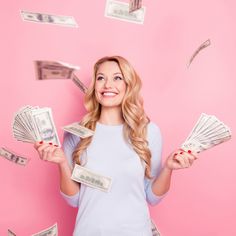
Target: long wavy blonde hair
[[135, 119]]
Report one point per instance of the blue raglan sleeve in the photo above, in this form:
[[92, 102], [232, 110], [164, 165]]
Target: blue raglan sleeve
[[155, 146], [70, 142]]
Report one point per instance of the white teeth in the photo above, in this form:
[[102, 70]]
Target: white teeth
[[109, 94]]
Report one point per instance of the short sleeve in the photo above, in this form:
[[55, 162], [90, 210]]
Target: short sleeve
[[70, 142], [155, 146]]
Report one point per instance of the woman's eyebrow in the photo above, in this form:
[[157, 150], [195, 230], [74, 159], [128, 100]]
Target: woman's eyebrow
[[100, 73]]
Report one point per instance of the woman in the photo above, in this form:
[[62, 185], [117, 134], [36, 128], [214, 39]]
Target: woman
[[126, 147]]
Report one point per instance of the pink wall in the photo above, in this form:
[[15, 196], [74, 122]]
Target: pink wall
[[202, 199]]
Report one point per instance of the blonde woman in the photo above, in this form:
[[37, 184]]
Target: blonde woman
[[126, 147]]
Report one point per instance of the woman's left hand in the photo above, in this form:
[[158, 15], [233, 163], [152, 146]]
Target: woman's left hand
[[180, 159]]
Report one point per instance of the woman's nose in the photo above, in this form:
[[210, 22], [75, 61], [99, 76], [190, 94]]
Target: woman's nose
[[108, 83]]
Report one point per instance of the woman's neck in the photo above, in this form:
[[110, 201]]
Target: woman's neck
[[111, 116]]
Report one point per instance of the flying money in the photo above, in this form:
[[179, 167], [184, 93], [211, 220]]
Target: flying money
[[120, 10], [54, 70], [51, 231], [134, 5], [207, 132], [31, 124], [10, 233], [85, 176], [45, 18], [202, 46], [9, 155], [77, 81], [78, 130], [155, 231]]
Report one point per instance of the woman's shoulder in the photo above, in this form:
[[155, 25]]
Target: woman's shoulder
[[153, 131], [70, 139], [153, 127]]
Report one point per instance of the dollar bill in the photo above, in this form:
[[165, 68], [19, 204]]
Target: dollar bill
[[78, 130], [31, 124], [120, 10], [9, 155], [85, 176], [54, 70], [45, 18], [155, 231], [44, 126], [207, 132], [202, 46], [78, 82], [51, 231], [10, 233], [134, 5]]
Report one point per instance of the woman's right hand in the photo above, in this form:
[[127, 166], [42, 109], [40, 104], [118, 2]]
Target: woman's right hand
[[50, 152]]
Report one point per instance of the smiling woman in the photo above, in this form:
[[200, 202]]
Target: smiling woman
[[110, 86], [126, 147]]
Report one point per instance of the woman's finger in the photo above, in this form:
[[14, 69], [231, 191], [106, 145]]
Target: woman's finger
[[180, 159], [190, 154], [51, 153], [46, 151]]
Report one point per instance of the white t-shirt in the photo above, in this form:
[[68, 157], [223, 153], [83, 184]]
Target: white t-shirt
[[123, 211]]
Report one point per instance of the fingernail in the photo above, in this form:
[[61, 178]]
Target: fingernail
[[181, 153], [41, 142], [55, 145], [189, 151], [50, 143]]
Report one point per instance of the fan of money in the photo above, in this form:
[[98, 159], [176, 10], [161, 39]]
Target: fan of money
[[33, 124], [207, 132]]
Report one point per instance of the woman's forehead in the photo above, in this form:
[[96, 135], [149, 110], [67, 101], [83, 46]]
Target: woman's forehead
[[108, 66]]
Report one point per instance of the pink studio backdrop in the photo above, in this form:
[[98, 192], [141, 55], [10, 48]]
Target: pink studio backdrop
[[202, 199]]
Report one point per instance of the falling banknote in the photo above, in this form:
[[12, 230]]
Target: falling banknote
[[54, 70], [120, 10], [45, 18], [78, 82], [51, 231], [9, 155], [135, 5], [10, 233], [31, 124], [155, 231], [207, 132], [78, 130], [202, 46], [83, 175]]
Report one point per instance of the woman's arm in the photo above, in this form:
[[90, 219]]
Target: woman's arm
[[51, 153], [176, 160]]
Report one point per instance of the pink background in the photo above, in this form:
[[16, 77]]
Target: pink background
[[202, 199]]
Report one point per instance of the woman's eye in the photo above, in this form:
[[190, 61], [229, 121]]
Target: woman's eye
[[118, 78], [100, 78]]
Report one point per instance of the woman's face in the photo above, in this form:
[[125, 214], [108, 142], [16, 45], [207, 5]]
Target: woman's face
[[110, 86]]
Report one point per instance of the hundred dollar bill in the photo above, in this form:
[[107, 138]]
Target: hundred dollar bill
[[54, 70], [31, 124], [77, 81], [10, 233], [9, 155], [48, 18], [134, 5], [207, 132], [51, 231], [78, 130], [202, 46], [120, 10], [44, 126], [155, 231], [83, 175]]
